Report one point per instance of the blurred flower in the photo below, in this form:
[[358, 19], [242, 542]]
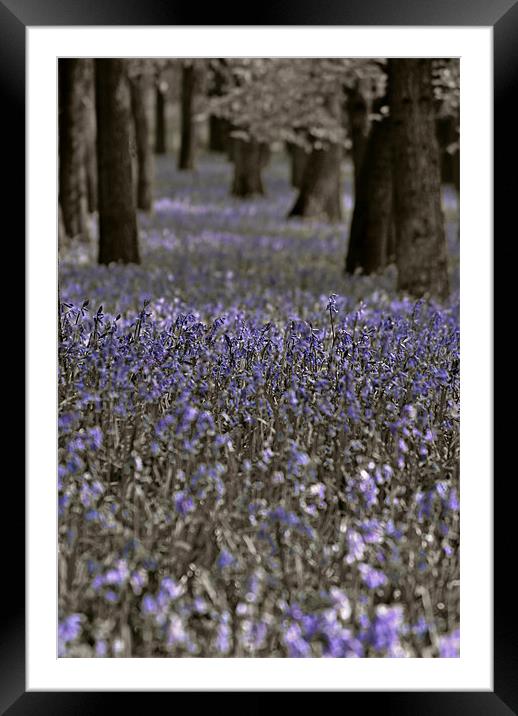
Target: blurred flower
[[449, 645], [225, 559], [373, 578]]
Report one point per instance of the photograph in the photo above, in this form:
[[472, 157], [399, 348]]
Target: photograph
[[258, 357], [259, 373]]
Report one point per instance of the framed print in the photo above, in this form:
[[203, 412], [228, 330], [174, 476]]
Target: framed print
[[269, 455]]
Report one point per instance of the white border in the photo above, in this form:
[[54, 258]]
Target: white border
[[474, 669]]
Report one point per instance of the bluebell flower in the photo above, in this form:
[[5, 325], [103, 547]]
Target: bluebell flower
[[449, 645], [171, 588], [208, 402], [223, 638], [225, 559], [70, 627], [331, 304], [183, 503], [373, 578], [384, 631], [101, 648]]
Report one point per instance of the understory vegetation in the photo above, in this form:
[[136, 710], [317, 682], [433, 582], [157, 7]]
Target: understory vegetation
[[257, 455]]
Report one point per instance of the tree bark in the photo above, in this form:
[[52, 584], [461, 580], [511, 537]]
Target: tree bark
[[419, 223], [218, 126], [160, 118], [139, 90], [358, 114], [298, 157], [89, 133], [117, 217], [320, 190], [72, 174], [391, 236], [448, 138], [62, 235], [91, 161], [456, 171], [371, 223], [188, 135], [231, 143], [248, 159], [218, 134], [319, 195]]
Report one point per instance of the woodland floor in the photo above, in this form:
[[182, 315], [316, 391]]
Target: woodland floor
[[257, 455]]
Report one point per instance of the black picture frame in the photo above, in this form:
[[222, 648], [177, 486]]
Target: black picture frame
[[502, 15]]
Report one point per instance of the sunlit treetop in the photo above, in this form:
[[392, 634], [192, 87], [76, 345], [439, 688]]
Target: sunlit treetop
[[295, 100]]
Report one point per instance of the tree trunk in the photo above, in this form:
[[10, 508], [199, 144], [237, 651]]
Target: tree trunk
[[456, 171], [372, 216], [160, 118], [117, 217], [231, 143], [319, 195], [91, 161], [391, 236], [248, 163], [218, 134], [72, 174], [188, 136], [89, 133], [298, 157], [320, 188], [139, 90], [218, 126], [419, 223], [448, 138], [62, 234], [358, 114]]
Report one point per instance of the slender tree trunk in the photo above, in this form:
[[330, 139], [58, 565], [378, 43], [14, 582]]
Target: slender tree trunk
[[248, 163], [117, 217], [218, 133], [139, 91], [298, 156], [419, 223], [371, 223], [188, 134], [456, 171], [320, 189], [62, 234], [448, 137], [453, 151], [218, 126], [358, 114], [443, 130], [298, 163], [91, 161], [160, 117], [90, 150], [231, 143], [319, 195], [72, 174]]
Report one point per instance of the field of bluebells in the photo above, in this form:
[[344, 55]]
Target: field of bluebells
[[257, 456]]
